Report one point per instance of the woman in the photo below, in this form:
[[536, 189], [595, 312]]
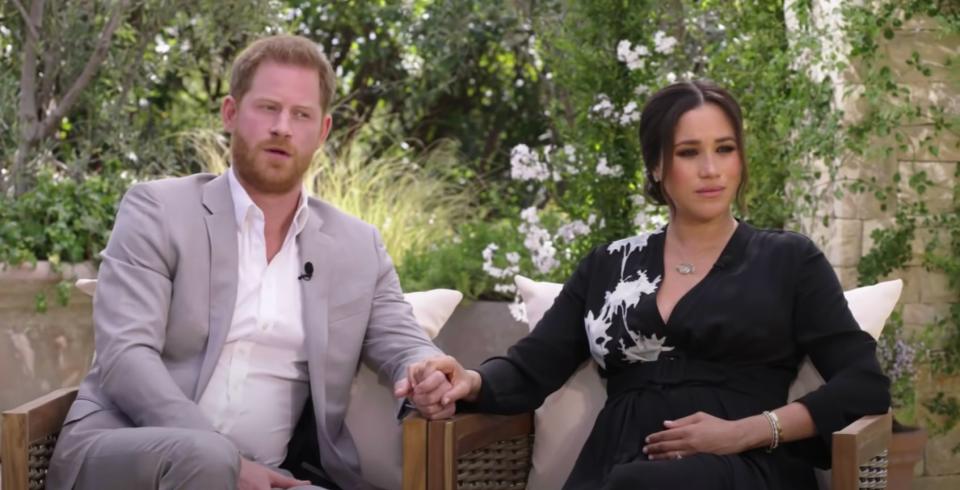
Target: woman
[[698, 328]]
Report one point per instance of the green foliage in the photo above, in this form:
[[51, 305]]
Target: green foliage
[[60, 219], [889, 113], [457, 262]]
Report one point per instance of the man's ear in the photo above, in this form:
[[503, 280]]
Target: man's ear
[[228, 112], [325, 128]]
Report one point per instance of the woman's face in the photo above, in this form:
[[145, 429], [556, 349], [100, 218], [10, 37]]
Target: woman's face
[[704, 175]]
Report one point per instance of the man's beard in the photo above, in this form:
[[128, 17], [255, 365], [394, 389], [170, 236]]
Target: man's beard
[[263, 176]]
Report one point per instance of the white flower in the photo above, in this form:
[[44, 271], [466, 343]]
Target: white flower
[[607, 170], [526, 164], [518, 310], [529, 215], [132, 157], [641, 90], [513, 258], [671, 77], [412, 63], [161, 46], [645, 349], [630, 115], [489, 250], [633, 57], [570, 231], [663, 43], [603, 107]]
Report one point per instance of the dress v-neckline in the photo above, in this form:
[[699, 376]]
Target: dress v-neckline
[[661, 254]]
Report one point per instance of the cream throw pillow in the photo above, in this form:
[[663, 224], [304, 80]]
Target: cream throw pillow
[[372, 410], [566, 417]]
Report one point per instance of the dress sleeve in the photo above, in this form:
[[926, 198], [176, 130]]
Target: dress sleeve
[[541, 362], [845, 355]]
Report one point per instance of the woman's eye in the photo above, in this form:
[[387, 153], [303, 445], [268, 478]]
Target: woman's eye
[[727, 149], [687, 152]]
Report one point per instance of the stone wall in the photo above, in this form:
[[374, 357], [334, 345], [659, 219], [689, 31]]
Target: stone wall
[[40, 352], [852, 217]]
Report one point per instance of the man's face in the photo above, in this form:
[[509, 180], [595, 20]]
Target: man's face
[[276, 127]]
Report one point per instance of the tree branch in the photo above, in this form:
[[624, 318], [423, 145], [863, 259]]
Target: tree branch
[[51, 122], [27, 20]]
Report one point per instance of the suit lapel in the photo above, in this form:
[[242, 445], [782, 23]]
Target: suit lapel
[[315, 247], [222, 233]]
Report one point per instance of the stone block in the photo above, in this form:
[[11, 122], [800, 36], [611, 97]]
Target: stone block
[[912, 277], [925, 314], [933, 48], [918, 139], [843, 245], [939, 457], [935, 288], [939, 196], [847, 277], [869, 226]]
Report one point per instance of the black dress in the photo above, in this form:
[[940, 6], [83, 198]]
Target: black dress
[[731, 348]]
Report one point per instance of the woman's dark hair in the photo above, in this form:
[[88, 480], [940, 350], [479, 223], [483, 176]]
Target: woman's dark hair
[[658, 124]]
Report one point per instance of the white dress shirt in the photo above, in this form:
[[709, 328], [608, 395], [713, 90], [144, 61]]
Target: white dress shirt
[[260, 384]]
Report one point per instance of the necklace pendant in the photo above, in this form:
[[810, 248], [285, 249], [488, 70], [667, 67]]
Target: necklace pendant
[[686, 268]]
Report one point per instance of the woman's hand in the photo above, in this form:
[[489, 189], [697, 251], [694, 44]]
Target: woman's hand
[[704, 433], [435, 384]]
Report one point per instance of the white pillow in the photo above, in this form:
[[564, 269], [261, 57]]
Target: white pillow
[[566, 417], [560, 424], [372, 411], [870, 305]]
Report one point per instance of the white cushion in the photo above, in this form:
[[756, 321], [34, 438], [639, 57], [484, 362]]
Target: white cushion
[[372, 411], [565, 419], [870, 305]]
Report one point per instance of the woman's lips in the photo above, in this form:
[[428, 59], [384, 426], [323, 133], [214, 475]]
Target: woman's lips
[[710, 191]]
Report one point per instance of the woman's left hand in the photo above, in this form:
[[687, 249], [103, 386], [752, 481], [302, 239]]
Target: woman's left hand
[[697, 433]]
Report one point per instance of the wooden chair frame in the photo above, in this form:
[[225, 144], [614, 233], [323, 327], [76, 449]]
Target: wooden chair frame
[[435, 452], [858, 450]]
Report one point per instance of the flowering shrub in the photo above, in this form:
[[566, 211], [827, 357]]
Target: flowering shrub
[[580, 183]]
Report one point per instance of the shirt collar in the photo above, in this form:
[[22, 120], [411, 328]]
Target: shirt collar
[[244, 205]]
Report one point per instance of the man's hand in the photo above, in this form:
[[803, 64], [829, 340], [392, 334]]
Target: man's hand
[[702, 433], [434, 385], [255, 476]]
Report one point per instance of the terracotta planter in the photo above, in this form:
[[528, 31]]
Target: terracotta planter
[[906, 450], [40, 352]]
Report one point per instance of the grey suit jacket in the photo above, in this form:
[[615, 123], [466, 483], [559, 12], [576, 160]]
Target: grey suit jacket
[[164, 304]]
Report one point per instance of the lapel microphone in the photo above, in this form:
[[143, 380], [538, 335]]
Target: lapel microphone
[[307, 272]]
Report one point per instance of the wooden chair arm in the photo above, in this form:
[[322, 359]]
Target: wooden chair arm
[[860, 447], [32, 428], [468, 446]]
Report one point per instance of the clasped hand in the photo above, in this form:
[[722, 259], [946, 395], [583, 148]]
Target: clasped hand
[[697, 433], [435, 384]]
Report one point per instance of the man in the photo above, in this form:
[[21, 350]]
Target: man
[[232, 312]]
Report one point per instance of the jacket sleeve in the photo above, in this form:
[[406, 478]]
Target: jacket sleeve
[[541, 362], [393, 339], [844, 354], [130, 317]]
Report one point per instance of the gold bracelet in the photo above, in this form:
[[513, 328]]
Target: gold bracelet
[[775, 427]]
